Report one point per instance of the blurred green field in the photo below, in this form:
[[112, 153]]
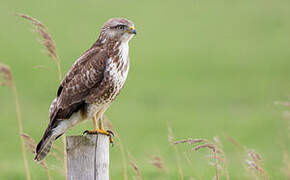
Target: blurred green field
[[204, 67]]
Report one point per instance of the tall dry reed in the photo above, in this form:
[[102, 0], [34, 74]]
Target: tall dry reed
[[251, 160], [9, 82], [31, 146], [171, 139], [135, 167], [217, 154], [190, 163], [121, 147], [47, 41], [158, 163], [206, 145]]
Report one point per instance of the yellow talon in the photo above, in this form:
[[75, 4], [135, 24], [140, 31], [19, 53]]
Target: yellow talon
[[100, 130], [111, 140]]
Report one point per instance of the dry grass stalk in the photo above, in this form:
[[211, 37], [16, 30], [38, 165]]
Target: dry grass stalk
[[6, 74], [121, 147], [209, 146], [45, 39], [58, 169], [214, 150], [30, 143], [188, 159], [135, 167], [49, 44], [158, 163], [190, 141], [234, 142], [217, 155], [31, 146], [190, 164], [254, 162], [222, 158], [57, 148], [56, 156], [171, 139], [42, 67], [57, 152]]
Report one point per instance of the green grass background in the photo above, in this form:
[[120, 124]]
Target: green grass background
[[204, 67]]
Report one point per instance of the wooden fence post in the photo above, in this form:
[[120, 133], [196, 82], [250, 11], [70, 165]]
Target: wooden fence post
[[88, 157]]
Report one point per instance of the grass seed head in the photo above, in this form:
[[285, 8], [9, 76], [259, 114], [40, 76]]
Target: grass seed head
[[45, 37], [171, 137], [157, 162], [234, 141], [135, 167], [6, 75], [254, 163], [191, 141], [212, 147], [30, 143]]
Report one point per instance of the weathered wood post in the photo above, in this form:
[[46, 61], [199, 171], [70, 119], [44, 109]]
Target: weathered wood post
[[88, 157]]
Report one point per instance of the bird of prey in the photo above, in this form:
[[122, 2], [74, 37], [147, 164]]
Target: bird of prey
[[93, 82]]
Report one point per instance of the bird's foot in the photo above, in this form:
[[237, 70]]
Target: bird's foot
[[101, 131]]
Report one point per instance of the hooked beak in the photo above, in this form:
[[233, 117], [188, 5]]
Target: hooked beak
[[132, 30]]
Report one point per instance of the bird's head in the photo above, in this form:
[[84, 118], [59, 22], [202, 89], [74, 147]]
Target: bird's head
[[119, 29]]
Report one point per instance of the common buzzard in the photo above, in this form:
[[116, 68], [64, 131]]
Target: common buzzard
[[91, 85]]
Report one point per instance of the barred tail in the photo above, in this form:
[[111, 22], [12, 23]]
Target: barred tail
[[44, 145]]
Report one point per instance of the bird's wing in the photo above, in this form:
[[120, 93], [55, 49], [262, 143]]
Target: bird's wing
[[86, 74]]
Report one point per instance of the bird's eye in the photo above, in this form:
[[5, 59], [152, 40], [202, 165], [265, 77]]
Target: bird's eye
[[120, 27]]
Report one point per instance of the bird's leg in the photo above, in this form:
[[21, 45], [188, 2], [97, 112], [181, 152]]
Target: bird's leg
[[100, 130], [95, 123], [101, 126]]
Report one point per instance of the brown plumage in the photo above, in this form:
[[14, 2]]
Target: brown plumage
[[92, 83]]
